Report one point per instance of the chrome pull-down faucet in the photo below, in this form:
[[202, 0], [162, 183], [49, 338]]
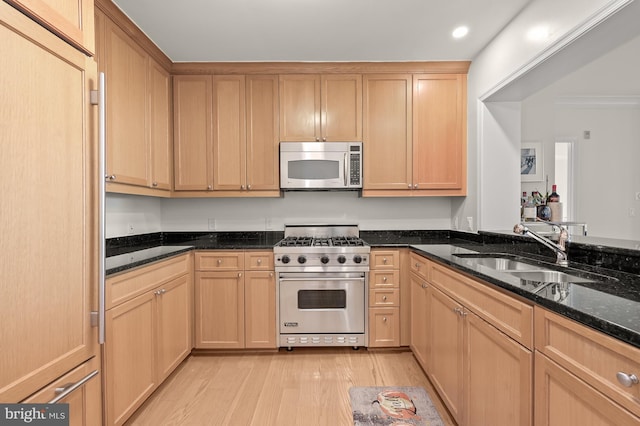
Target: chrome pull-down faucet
[[559, 248]]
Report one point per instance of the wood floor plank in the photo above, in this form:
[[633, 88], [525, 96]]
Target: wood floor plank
[[307, 386]]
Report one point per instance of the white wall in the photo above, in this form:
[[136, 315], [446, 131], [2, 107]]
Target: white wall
[[511, 56], [247, 214], [142, 214], [604, 98]]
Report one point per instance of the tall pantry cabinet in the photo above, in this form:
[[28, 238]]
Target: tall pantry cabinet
[[48, 255]]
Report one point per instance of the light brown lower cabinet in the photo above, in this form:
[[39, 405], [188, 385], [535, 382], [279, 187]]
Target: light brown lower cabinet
[[577, 371], [563, 399], [235, 309], [483, 375], [147, 335]]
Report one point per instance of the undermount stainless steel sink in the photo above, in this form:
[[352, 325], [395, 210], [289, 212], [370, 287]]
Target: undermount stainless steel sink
[[498, 262], [505, 264], [549, 276]]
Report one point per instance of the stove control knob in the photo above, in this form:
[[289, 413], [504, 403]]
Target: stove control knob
[[324, 259], [302, 259], [286, 259], [357, 258], [341, 259]]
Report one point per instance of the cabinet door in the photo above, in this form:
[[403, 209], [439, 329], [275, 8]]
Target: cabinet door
[[193, 139], [446, 344], [260, 309], [174, 324], [384, 327], [71, 20], [563, 399], [219, 312], [229, 140], [341, 115], [263, 134], [160, 133], [85, 402], [47, 255], [125, 67], [299, 107], [439, 148], [130, 361], [387, 115], [498, 377], [419, 320]]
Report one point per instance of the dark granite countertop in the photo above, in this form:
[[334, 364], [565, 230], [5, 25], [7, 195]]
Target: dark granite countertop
[[611, 306], [125, 261], [609, 302]]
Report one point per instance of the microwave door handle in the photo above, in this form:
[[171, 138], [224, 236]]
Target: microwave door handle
[[345, 168]]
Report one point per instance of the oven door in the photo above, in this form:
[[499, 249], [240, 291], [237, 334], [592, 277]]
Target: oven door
[[322, 303]]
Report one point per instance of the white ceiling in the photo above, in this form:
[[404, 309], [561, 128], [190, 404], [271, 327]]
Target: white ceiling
[[319, 30]]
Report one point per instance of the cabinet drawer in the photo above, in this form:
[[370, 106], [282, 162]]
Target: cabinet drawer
[[122, 287], [384, 327], [590, 355], [384, 279], [385, 259], [219, 261], [384, 297], [509, 315], [258, 260], [85, 402], [419, 265]]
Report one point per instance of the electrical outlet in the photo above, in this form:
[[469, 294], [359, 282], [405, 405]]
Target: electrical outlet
[[470, 223], [268, 225], [130, 229], [455, 223], [587, 134], [632, 212], [212, 224]]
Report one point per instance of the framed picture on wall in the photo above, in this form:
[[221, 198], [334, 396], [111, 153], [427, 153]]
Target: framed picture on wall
[[531, 161]]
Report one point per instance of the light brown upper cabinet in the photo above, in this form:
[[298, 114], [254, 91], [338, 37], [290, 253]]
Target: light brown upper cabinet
[[70, 20], [439, 137], [138, 105], [226, 135], [325, 107], [387, 133], [414, 134]]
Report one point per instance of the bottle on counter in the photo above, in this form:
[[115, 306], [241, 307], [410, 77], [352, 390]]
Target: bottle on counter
[[553, 197], [529, 210]]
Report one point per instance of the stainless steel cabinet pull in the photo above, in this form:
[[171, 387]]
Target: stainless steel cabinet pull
[[324, 139], [424, 285], [627, 380], [384, 319], [384, 279], [209, 187], [346, 166], [270, 274], [409, 186], [417, 265], [239, 274], [154, 184], [259, 261], [384, 260], [249, 187], [384, 298], [241, 186], [219, 262], [415, 186], [64, 391]]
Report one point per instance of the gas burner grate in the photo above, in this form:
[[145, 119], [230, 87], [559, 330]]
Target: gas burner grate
[[347, 242]]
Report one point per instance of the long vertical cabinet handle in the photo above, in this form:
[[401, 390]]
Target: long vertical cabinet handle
[[98, 98]]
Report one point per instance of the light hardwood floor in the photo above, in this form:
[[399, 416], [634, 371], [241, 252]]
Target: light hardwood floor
[[303, 387]]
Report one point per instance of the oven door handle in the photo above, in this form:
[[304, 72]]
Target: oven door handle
[[323, 279]]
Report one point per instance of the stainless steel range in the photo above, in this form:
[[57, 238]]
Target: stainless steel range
[[323, 273]]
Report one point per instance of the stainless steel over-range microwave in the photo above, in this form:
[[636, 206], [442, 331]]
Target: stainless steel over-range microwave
[[320, 165]]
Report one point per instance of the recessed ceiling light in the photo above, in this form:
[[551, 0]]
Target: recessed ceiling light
[[538, 33], [460, 32]]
